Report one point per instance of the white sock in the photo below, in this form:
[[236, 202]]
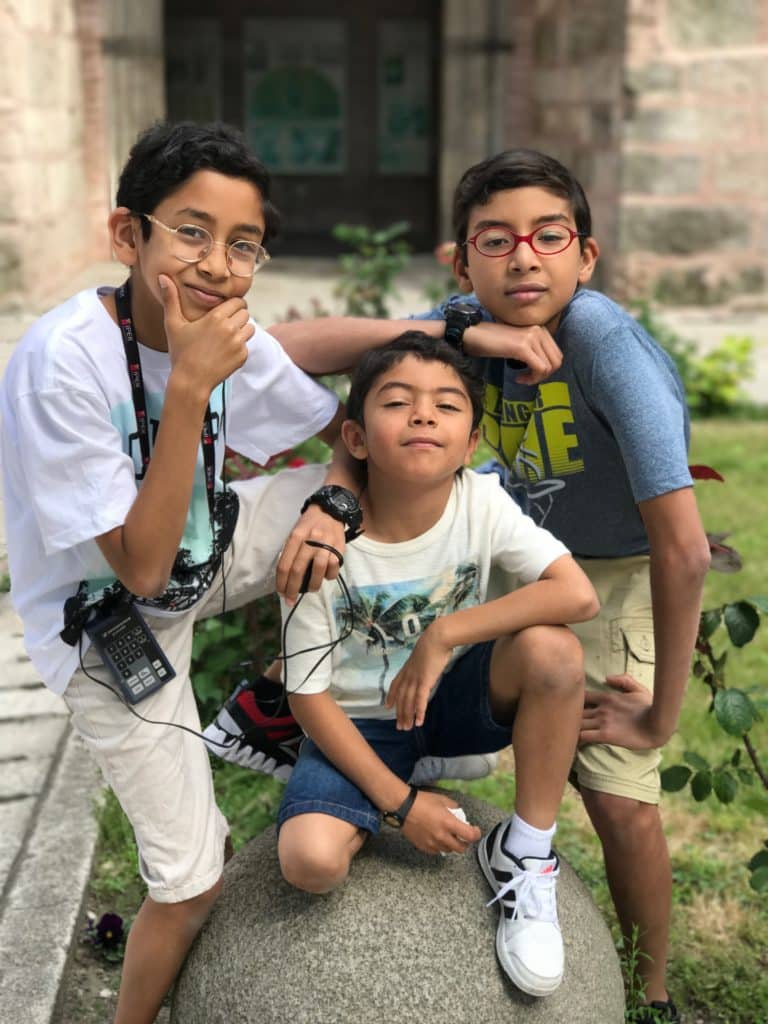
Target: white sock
[[523, 840]]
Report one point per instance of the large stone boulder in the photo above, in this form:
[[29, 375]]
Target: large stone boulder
[[407, 940]]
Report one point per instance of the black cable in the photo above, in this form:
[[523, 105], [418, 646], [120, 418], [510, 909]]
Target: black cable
[[318, 647], [149, 721], [279, 657]]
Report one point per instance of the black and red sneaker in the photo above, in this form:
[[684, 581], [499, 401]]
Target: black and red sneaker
[[255, 729]]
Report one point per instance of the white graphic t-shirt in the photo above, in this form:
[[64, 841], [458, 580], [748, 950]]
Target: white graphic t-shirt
[[397, 590], [72, 464]]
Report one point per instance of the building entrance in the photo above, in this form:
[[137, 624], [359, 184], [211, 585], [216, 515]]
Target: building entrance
[[339, 100]]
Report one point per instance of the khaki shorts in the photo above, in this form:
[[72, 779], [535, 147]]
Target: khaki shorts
[[619, 640], [161, 774]]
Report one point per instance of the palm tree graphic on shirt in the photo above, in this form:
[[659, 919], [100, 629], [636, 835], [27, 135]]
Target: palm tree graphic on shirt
[[387, 620]]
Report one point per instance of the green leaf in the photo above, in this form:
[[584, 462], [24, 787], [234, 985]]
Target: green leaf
[[725, 787], [701, 785], [759, 880], [736, 758], [760, 602], [746, 778], [741, 621], [760, 860], [675, 777], [710, 620], [695, 760], [734, 711]]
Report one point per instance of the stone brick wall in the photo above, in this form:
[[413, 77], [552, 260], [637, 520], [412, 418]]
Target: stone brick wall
[[62, 136], [548, 75], [694, 189], [565, 98], [41, 162], [477, 50]]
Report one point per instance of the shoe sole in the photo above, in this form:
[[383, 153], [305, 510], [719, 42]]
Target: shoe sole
[[223, 745], [517, 972]]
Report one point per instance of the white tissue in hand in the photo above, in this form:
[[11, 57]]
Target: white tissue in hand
[[459, 813]]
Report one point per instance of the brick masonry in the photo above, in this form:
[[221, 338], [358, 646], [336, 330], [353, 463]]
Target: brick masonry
[[64, 125], [693, 206], [658, 105]]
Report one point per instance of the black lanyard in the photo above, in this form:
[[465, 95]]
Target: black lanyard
[[125, 322]]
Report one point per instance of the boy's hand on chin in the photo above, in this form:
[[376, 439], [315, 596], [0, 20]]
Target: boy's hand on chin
[[533, 346], [412, 685], [210, 348], [432, 828]]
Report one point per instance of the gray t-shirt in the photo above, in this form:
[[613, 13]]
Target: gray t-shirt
[[606, 431]]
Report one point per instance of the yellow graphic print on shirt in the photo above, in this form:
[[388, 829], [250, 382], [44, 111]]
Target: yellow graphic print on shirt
[[537, 440]]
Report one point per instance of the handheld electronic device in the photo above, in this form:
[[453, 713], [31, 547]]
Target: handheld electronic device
[[130, 652]]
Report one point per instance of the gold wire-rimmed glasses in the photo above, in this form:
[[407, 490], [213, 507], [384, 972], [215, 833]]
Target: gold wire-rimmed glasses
[[191, 243]]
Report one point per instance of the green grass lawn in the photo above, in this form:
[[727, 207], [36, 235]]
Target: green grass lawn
[[719, 948]]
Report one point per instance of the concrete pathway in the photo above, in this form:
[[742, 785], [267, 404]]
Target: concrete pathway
[[47, 782]]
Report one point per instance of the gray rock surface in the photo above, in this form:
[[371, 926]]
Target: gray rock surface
[[408, 939]]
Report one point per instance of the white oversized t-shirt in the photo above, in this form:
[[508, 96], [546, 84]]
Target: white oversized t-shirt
[[71, 455], [397, 590]]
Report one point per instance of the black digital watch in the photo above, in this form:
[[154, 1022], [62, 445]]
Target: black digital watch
[[458, 317], [342, 505]]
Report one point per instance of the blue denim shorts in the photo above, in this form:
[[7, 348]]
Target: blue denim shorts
[[458, 721]]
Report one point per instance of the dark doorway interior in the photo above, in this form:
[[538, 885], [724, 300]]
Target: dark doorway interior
[[339, 100]]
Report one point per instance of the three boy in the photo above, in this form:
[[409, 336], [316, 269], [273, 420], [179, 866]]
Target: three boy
[[593, 432]]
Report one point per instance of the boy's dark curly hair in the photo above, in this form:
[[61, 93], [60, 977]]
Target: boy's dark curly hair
[[517, 168], [169, 153]]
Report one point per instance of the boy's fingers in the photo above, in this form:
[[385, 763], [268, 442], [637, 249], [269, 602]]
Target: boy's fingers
[[169, 294], [394, 687], [625, 682], [405, 708], [466, 833], [421, 705]]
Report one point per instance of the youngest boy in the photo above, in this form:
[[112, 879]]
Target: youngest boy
[[415, 616]]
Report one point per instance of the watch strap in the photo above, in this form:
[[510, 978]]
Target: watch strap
[[457, 320], [401, 813]]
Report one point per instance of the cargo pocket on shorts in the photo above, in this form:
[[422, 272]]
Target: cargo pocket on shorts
[[632, 647]]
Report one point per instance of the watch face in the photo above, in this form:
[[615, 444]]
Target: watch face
[[465, 308], [392, 819], [344, 502], [463, 313]]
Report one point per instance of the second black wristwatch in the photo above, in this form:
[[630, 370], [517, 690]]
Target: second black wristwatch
[[342, 505], [458, 317], [396, 819]]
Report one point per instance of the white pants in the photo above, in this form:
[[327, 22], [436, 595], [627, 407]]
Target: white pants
[[161, 774]]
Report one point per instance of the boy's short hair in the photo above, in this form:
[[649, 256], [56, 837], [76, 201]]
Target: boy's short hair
[[168, 153], [377, 361], [517, 168]]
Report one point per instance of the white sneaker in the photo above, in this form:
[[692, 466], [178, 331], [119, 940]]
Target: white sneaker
[[467, 767], [529, 944]]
